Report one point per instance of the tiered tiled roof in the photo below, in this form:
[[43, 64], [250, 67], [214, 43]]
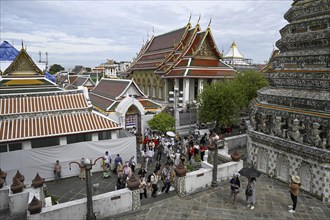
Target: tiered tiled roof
[[53, 125], [201, 59], [110, 92], [81, 81], [169, 55], [157, 49], [29, 116]]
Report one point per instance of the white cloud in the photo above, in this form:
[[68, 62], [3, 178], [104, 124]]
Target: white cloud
[[89, 32]]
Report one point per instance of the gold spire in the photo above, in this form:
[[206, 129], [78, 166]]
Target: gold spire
[[199, 18], [208, 26]]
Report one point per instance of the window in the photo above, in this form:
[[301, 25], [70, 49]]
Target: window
[[3, 148], [15, 146], [104, 135], [130, 120], [10, 147], [78, 138], [45, 142]]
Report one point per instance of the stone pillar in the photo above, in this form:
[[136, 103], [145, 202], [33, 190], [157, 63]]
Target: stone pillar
[[181, 186], [95, 137], [26, 145], [133, 184], [63, 141], [186, 90], [200, 85], [181, 172], [136, 202], [114, 134], [165, 95]]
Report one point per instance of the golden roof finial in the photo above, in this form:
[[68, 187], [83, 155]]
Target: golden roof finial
[[199, 18], [209, 22], [189, 18], [22, 44]]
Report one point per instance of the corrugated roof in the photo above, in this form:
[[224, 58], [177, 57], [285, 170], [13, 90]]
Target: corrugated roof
[[37, 104], [53, 125]]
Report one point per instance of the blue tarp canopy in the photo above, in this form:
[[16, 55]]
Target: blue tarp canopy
[[7, 52]]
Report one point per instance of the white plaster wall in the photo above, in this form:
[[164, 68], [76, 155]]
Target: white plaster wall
[[107, 204], [144, 120], [18, 203], [236, 141], [226, 170], [4, 202], [198, 180]]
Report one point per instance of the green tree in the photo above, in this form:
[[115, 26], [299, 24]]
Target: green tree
[[162, 122], [55, 68], [221, 103], [250, 82]]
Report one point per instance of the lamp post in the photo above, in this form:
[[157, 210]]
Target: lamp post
[[218, 142], [177, 102], [87, 164], [90, 213]]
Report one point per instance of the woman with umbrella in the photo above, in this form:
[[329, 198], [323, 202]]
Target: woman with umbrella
[[250, 192]]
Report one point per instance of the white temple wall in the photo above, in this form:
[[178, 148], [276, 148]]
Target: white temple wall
[[315, 177], [42, 160]]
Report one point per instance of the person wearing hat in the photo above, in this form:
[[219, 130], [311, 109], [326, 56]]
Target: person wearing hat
[[235, 185], [294, 187]]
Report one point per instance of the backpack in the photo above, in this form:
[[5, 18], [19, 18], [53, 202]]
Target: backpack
[[149, 178], [249, 191]]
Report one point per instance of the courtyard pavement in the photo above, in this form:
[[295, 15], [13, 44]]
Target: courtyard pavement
[[273, 199]]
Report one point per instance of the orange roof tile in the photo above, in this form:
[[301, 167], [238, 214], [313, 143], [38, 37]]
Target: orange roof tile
[[53, 125]]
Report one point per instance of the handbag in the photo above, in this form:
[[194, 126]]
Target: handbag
[[236, 191]]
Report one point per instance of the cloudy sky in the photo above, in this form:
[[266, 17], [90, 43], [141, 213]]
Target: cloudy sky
[[89, 32]]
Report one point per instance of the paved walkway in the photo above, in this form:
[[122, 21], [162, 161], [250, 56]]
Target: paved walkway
[[273, 199]]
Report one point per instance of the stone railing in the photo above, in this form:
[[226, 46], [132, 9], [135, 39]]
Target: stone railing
[[107, 204]]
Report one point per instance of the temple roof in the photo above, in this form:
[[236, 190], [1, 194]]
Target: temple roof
[[36, 115], [53, 125], [200, 59], [233, 52], [26, 84], [154, 52], [169, 55], [110, 92], [45, 102], [22, 65], [81, 80], [7, 52]]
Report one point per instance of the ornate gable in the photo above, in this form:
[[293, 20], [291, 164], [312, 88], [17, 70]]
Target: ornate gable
[[22, 63], [206, 51]]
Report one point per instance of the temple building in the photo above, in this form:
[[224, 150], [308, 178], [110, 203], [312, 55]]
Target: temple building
[[41, 123], [289, 132], [186, 58], [123, 101], [235, 58]]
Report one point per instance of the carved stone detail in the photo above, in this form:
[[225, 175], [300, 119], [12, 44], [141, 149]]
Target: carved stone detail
[[136, 200]]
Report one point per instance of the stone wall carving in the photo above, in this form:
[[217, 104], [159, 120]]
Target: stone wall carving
[[310, 103], [313, 153], [283, 168], [291, 117], [295, 127], [300, 11]]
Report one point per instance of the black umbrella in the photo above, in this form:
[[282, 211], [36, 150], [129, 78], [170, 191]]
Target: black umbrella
[[249, 172]]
